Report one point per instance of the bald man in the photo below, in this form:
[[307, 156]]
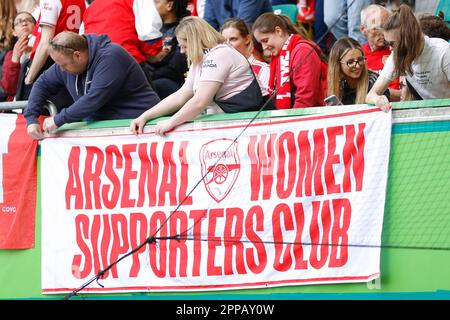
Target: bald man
[[104, 81], [376, 51]]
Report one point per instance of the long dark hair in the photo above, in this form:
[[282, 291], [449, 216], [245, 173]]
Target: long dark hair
[[180, 9], [267, 22], [411, 40]]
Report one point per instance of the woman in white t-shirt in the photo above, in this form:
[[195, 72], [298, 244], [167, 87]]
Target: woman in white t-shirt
[[423, 61], [218, 74]]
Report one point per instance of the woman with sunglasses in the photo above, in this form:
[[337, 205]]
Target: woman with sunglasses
[[423, 61], [348, 76]]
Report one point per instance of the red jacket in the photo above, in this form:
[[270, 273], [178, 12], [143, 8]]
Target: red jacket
[[10, 76], [306, 77], [375, 62]]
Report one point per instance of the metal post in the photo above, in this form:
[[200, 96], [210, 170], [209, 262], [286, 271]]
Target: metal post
[[11, 105]]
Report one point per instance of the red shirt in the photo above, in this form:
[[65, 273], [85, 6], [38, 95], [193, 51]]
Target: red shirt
[[10, 76], [306, 75], [118, 20], [375, 62], [63, 15]]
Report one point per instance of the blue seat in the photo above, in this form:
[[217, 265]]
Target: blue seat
[[444, 6], [289, 10]]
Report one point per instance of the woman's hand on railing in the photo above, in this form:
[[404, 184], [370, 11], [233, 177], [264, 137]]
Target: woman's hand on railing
[[383, 103], [137, 125]]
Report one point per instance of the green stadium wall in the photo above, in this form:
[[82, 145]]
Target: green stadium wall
[[415, 255]]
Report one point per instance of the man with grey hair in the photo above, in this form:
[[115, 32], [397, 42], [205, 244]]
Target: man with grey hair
[[104, 81], [376, 51]]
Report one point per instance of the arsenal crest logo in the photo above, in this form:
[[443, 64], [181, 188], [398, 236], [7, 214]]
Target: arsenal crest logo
[[220, 167]]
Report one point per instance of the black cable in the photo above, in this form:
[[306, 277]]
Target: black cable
[[359, 245], [152, 239]]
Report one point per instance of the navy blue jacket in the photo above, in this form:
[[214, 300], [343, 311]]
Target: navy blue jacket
[[112, 87], [217, 11]]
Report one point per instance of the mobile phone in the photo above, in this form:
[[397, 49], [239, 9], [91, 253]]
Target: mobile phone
[[332, 101]]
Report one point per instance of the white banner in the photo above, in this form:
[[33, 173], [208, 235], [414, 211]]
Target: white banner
[[291, 201]]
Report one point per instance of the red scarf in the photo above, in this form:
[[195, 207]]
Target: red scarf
[[280, 73]]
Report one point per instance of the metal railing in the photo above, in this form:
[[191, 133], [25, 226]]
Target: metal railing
[[14, 105]]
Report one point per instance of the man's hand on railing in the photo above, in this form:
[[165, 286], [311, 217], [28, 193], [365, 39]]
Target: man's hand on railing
[[34, 131], [49, 125]]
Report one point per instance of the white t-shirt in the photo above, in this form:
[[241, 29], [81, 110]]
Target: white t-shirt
[[222, 64], [431, 70], [50, 12]]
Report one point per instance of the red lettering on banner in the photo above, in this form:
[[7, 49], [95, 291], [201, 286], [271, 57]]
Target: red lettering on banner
[[120, 243], [197, 216], [308, 168], [317, 161], [332, 159], [128, 174], [320, 232], [354, 154], [255, 217], [319, 245], [103, 239], [233, 240], [136, 238], [73, 186], [168, 181], [126, 168], [113, 162], [283, 259], [299, 216], [183, 197], [82, 232], [91, 176], [149, 173], [261, 155], [177, 247], [213, 242], [339, 236], [157, 223], [304, 165], [286, 149], [106, 242]]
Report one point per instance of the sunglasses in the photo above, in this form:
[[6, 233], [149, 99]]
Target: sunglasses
[[353, 62], [20, 21], [60, 47]]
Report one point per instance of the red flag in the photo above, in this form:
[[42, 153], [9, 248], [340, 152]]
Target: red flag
[[18, 184]]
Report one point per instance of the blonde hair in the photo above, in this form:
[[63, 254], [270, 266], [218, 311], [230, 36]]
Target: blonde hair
[[7, 15], [336, 76], [411, 39], [199, 35]]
